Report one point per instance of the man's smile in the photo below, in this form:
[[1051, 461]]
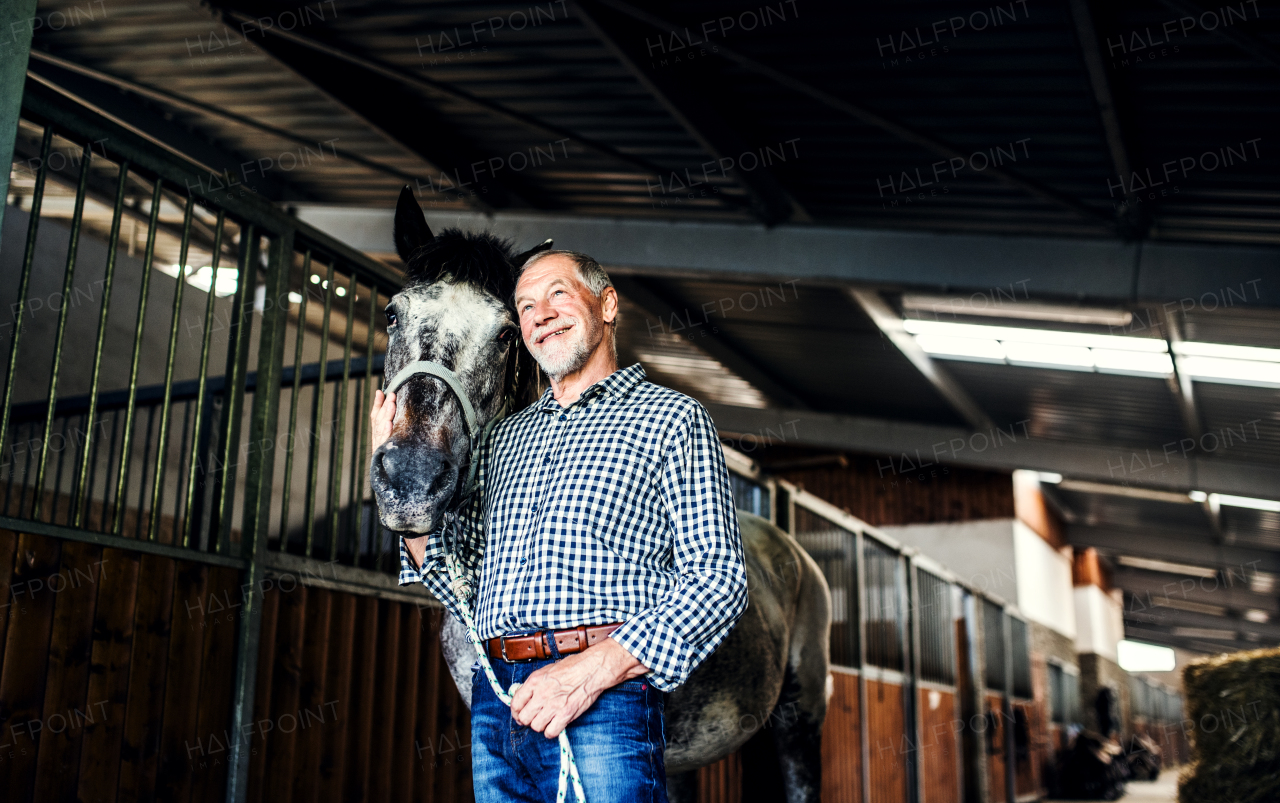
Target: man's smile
[[554, 333]]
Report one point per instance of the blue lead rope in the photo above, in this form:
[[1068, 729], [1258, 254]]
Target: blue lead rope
[[462, 594]]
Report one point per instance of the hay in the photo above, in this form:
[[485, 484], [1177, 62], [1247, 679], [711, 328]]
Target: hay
[[1233, 720]]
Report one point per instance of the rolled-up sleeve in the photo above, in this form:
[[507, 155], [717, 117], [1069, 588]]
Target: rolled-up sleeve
[[673, 637]]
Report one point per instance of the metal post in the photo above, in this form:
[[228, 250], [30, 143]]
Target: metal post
[[257, 505], [911, 681], [860, 566], [16, 17]]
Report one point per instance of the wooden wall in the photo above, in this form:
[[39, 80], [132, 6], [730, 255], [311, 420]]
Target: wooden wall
[[1027, 766], [114, 664], [939, 746], [887, 491], [996, 733], [842, 743], [355, 703], [117, 671], [885, 734]]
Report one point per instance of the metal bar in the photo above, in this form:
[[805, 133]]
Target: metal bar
[[202, 383], [366, 403], [335, 468], [57, 474], [107, 498], [257, 507], [108, 282], [24, 285], [234, 390], [26, 470], [73, 245], [162, 452], [123, 478], [142, 482], [293, 403], [355, 477], [889, 324], [54, 108], [180, 473], [860, 572], [317, 409], [22, 525]]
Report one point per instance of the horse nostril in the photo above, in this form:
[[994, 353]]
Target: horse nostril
[[442, 479]]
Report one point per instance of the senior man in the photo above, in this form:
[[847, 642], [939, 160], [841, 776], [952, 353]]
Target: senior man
[[610, 559]]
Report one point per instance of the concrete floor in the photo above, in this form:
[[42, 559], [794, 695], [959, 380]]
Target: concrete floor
[[1164, 790]]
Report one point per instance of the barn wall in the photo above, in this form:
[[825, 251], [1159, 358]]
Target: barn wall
[[887, 491], [842, 742], [117, 670], [939, 746], [886, 734]]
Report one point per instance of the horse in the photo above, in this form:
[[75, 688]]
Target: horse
[[770, 673]]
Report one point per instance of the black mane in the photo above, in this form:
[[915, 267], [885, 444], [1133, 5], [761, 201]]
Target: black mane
[[482, 259]]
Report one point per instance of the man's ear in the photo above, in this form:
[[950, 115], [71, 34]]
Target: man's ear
[[411, 231], [609, 304]]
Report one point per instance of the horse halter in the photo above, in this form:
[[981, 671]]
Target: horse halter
[[451, 381]]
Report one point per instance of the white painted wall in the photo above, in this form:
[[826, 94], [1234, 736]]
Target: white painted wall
[[1044, 581], [980, 552], [1099, 622]]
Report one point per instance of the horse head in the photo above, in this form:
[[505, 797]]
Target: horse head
[[454, 311]]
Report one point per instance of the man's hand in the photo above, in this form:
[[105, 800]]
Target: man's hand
[[559, 693], [384, 410]]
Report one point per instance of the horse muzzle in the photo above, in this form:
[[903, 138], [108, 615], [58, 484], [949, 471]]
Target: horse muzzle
[[413, 484]]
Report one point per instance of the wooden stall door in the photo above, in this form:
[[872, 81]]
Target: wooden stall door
[[1027, 766], [116, 672], [996, 733], [886, 735], [939, 747], [842, 743]]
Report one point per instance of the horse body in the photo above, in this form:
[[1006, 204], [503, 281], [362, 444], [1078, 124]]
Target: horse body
[[771, 671]]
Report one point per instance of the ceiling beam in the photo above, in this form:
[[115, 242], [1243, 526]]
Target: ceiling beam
[[890, 325], [1154, 634], [1104, 95], [423, 82], [193, 106], [1173, 617], [640, 293], [1006, 448], [690, 104], [1161, 545], [1100, 270], [222, 164], [1242, 38], [868, 117], [1180, 384]]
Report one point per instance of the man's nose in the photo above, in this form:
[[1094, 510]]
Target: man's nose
[[543, 312]]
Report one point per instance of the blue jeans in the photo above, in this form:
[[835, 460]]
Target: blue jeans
[[617, 745]]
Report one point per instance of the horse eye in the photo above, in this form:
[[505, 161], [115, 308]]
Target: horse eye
[[506, 335], [391, 319]]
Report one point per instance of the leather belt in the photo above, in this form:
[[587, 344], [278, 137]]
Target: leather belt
[[533, 647]]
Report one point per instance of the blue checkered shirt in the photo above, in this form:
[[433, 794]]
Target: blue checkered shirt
[[614, 509]]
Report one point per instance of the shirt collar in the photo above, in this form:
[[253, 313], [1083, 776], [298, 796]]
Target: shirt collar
[[616, 384]]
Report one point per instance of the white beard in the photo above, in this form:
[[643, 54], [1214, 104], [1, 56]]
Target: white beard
[[569, 357]]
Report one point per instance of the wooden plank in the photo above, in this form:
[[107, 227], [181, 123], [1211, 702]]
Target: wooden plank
[[314, 716], [456, 777], [386, 697], [8, 543], [842, 743], [362, 695], [214, 740], [149, 661], [436, 682], [995, 748], [109, 675], [333, 751], [22, 679], [178, 736], [405, 708], [886, 734], [66, 709], [258, 740], [286, 683], [940, 772]]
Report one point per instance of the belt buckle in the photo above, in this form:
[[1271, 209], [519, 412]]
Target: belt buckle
[[502, 644]]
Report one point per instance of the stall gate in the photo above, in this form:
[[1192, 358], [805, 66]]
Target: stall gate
[[199, 604]]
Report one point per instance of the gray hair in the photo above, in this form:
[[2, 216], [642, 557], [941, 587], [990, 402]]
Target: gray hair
[[591, 274], [589, 271]]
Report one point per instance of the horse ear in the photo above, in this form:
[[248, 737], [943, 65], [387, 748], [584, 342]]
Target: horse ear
[[519, 259], [411, 230]]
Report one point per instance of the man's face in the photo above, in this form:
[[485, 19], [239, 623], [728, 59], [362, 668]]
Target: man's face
[[561, 321]]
